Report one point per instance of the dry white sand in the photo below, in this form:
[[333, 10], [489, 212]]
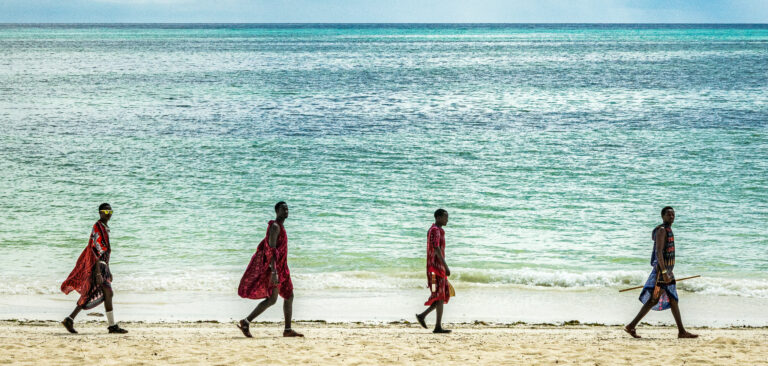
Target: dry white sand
[[354, 343]]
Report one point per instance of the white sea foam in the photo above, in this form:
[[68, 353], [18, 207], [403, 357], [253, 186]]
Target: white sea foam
[[223, 282]]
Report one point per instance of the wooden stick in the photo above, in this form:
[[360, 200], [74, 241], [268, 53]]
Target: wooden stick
[[676, 280]]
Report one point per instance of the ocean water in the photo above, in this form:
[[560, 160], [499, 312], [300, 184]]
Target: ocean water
[[553, 147]]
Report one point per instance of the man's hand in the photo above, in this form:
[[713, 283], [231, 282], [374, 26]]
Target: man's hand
[[447, 272], [666, 277]]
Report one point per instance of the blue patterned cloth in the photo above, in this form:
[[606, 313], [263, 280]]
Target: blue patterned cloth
[[666, 292]]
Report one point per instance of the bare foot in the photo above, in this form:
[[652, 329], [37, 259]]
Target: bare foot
[[687, 335], [632, 332], [421, 321], [291, 333], [441, 331], [69, 324], [245, 328]]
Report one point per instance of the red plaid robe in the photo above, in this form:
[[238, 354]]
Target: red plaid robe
[[256, 282], [82, 278], [439, 285]]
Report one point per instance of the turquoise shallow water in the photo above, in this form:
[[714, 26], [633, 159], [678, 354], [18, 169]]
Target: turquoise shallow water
[[552, 147]]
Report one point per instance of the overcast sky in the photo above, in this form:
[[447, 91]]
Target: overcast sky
[[387, 11]]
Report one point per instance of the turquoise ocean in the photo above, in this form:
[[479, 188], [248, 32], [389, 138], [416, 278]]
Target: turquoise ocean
[[553, 147]]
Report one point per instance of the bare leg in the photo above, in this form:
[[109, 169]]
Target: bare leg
[[630, 328], [75, 312], [681, 332], [263, 305], [429, 310], [288, 311], [69, 322], [420, 317], [439, 308], [244, 324], [642, 313], [438, 321], [107, 297], [113, 327]]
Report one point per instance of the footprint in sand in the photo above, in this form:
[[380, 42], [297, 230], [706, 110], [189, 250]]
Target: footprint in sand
[[725, 340]]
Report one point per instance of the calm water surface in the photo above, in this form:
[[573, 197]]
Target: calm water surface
[[552, 147]]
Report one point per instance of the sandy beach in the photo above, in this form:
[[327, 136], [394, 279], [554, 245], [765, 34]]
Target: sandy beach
[[34, 342]]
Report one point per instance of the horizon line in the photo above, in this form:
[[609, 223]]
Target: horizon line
[[383, 23]]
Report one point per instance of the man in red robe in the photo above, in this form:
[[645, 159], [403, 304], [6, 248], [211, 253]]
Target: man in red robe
[[91, 277], [437, 272], [267, 274]]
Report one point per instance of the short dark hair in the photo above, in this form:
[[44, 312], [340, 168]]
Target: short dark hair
[[277, 205], [665, 209], [104, 206], [440, 213]]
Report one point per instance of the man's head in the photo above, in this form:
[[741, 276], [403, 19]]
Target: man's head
[[281, 210], [441, 217], [668, 214], [105, 212]]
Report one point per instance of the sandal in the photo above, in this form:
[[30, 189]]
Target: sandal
[[116, 329], [245, 328], [69, 324], [421, 321]]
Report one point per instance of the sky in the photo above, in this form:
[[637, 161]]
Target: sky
[[384, 11]]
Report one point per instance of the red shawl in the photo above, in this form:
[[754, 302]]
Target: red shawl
[[256, 282], [435, 241], [439, 286], [81, 278]]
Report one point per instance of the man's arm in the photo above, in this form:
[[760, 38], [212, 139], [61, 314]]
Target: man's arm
[[274, 232], [441, 259], [661, 238], [97, 251]]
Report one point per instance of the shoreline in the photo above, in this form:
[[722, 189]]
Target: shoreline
[[373, 324], [502, 306]]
